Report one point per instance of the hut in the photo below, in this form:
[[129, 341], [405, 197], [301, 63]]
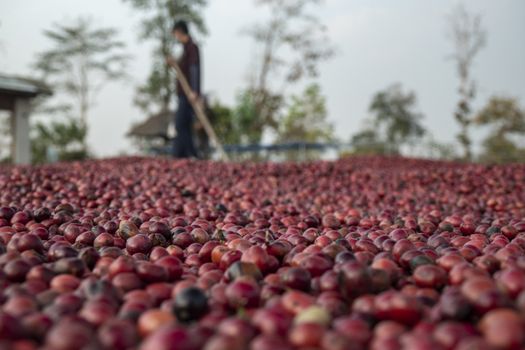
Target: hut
[[156, 131]]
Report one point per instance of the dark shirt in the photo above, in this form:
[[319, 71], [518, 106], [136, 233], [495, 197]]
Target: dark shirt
[[190, 65]]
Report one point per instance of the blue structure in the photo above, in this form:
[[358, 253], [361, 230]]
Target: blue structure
[[273, 148]]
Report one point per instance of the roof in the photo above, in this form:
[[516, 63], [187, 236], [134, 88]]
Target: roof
[[25, 87], [155, 126]]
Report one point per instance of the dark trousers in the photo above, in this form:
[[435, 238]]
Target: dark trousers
[[183, 146]]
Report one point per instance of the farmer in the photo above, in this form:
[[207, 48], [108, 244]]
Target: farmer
[[189, 63]]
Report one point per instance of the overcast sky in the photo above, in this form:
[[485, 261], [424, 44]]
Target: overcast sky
[[379, 42]]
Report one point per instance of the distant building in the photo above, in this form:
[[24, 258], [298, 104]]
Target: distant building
[[16, 94], [156, 131], [156, 126]]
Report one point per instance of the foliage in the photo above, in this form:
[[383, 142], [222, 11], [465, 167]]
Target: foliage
[[395, 123], [221, 118], [247, 119], [66, 138], [506, 120], [238, 124], [306, 118], [367, 142], [159, 15], [438, 150], [500, 149], [80, 62], [468, 37], [289, 47], [504, 115]]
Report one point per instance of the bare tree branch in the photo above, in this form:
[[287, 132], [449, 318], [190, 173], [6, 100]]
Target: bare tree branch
[[468, 37]]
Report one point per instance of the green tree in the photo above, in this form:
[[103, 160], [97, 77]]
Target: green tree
[[82, 59], [65, 138], [235, 125], [247, 118], [394, 118], [80, 62], [368, 142], [469, 38], [306, 118], [431, 148], [222, 119], [289, 47], [157, 93], [504, 115], [506, 120], [498, 149]]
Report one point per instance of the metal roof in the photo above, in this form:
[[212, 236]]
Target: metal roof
[[14, 85], [153, 127]]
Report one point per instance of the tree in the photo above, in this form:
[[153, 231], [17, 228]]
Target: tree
[[394, 118], [156, 94], [497, 149], [468, 37], [221, 117], [81, 60], [289, 47], [65, 138], [234, 125], [306, 118], [506, 120], [249, 125], [431, 148], [503, 114], [368, 142]]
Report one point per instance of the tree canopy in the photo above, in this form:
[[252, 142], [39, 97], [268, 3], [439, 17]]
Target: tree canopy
[[506, 120], [289, 46], [395, 118], [81, 60], [306, 118]]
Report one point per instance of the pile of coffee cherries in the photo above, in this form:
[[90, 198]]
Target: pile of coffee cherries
[[360, 253]]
